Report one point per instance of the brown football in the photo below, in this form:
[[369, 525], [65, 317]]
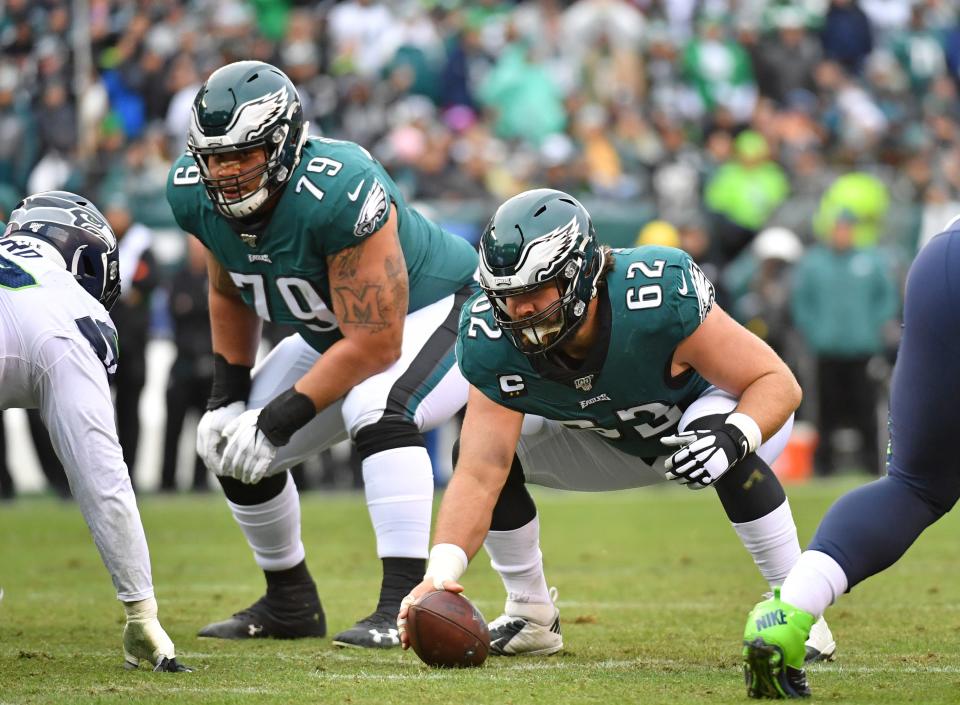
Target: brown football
[[447, 631]]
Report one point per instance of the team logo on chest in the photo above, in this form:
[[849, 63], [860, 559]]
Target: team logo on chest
[[584, 383], [589, 402]]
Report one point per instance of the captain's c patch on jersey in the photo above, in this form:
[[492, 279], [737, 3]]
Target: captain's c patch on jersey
[[512, 386]]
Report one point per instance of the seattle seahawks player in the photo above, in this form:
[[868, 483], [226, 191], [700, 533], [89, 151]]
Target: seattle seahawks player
[[59, 275], [313, 233], [870, 528], [632, 374]]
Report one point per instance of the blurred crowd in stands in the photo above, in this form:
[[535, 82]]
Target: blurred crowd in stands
[[801, 150]]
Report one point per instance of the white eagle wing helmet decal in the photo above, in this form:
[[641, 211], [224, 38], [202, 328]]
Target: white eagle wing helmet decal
[[538, 260], [249, 121], [372, 210]]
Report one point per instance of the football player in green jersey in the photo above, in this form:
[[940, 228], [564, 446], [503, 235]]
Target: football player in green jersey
[[594, 369], [313, 233]]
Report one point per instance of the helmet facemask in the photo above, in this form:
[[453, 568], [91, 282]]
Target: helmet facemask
[[547, 328], [267, 177], [246, 106]]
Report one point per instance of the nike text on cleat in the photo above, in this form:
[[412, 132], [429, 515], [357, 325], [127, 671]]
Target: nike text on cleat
[[285, 612], [820, 644], [774, 650], [378, 631]]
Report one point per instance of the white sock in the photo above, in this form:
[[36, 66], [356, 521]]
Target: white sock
[[516, 556], [399, 487], [273, 528], [814, 583], [772, 541]]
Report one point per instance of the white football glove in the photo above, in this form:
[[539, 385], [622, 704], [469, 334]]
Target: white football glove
[[705, 455], [248, 453], [210, 433], [144, 639]]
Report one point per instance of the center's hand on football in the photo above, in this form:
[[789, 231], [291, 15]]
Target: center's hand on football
[[248, 452], [704, 455], [210, 433], [428, 585]]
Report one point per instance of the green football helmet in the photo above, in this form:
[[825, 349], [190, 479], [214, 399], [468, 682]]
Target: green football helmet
[[244, 105], [535, 238]]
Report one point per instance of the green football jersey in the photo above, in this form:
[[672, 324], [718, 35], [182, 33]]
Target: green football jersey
[[653, 299], [337, 196]]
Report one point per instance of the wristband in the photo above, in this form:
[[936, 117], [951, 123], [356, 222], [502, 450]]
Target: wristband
[[749, 428], [285, 415], [447, 563], [230, 383]]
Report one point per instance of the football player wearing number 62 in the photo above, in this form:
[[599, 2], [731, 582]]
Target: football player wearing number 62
[[59, 276], [629, 374], [313, 233]]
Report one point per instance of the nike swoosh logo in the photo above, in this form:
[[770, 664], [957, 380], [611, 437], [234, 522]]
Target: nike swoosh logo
[[683, 287], [356, 192]]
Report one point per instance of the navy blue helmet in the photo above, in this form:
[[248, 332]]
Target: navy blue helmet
[[78, 233]]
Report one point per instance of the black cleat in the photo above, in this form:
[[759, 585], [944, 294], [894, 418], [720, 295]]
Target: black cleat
[[378, 631], [170, 665], [767, 676], [285, 612]]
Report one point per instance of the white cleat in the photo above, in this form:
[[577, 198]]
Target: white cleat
[[820, 644], [519, 636]]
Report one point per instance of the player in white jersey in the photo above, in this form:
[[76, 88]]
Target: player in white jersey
[[58, 277]]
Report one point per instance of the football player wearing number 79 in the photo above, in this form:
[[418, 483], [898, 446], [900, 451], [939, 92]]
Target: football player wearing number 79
[[314, 233], [629, 374]]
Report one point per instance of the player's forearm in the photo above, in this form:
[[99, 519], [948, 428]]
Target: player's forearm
[[343, 366], [82, 430], [770, 400], [234, 328], [467, 508]]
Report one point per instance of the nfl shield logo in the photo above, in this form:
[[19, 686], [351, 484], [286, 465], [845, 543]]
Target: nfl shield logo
[[249, 239], [584, 383]]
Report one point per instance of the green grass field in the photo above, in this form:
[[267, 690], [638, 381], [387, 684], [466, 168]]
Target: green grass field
[[654, 588]]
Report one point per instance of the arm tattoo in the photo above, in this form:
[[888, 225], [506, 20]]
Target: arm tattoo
[[347, 261], [366, 304]]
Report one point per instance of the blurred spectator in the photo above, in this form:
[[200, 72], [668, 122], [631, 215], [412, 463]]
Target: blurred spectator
[[720, 69], [601, 161], [844, 301], [131, 314], [18, 131], [523, 97], [182, 86], [850, 113], [786, 59], [759, 283], [846, 34], [192, 372], [744, 193], [356, 29], [860, 195], [676, 177], [658, 232], [919, 50]]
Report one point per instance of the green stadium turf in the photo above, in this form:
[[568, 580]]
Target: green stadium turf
[[654, 588]]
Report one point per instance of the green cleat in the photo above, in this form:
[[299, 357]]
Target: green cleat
[[774, 650]]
